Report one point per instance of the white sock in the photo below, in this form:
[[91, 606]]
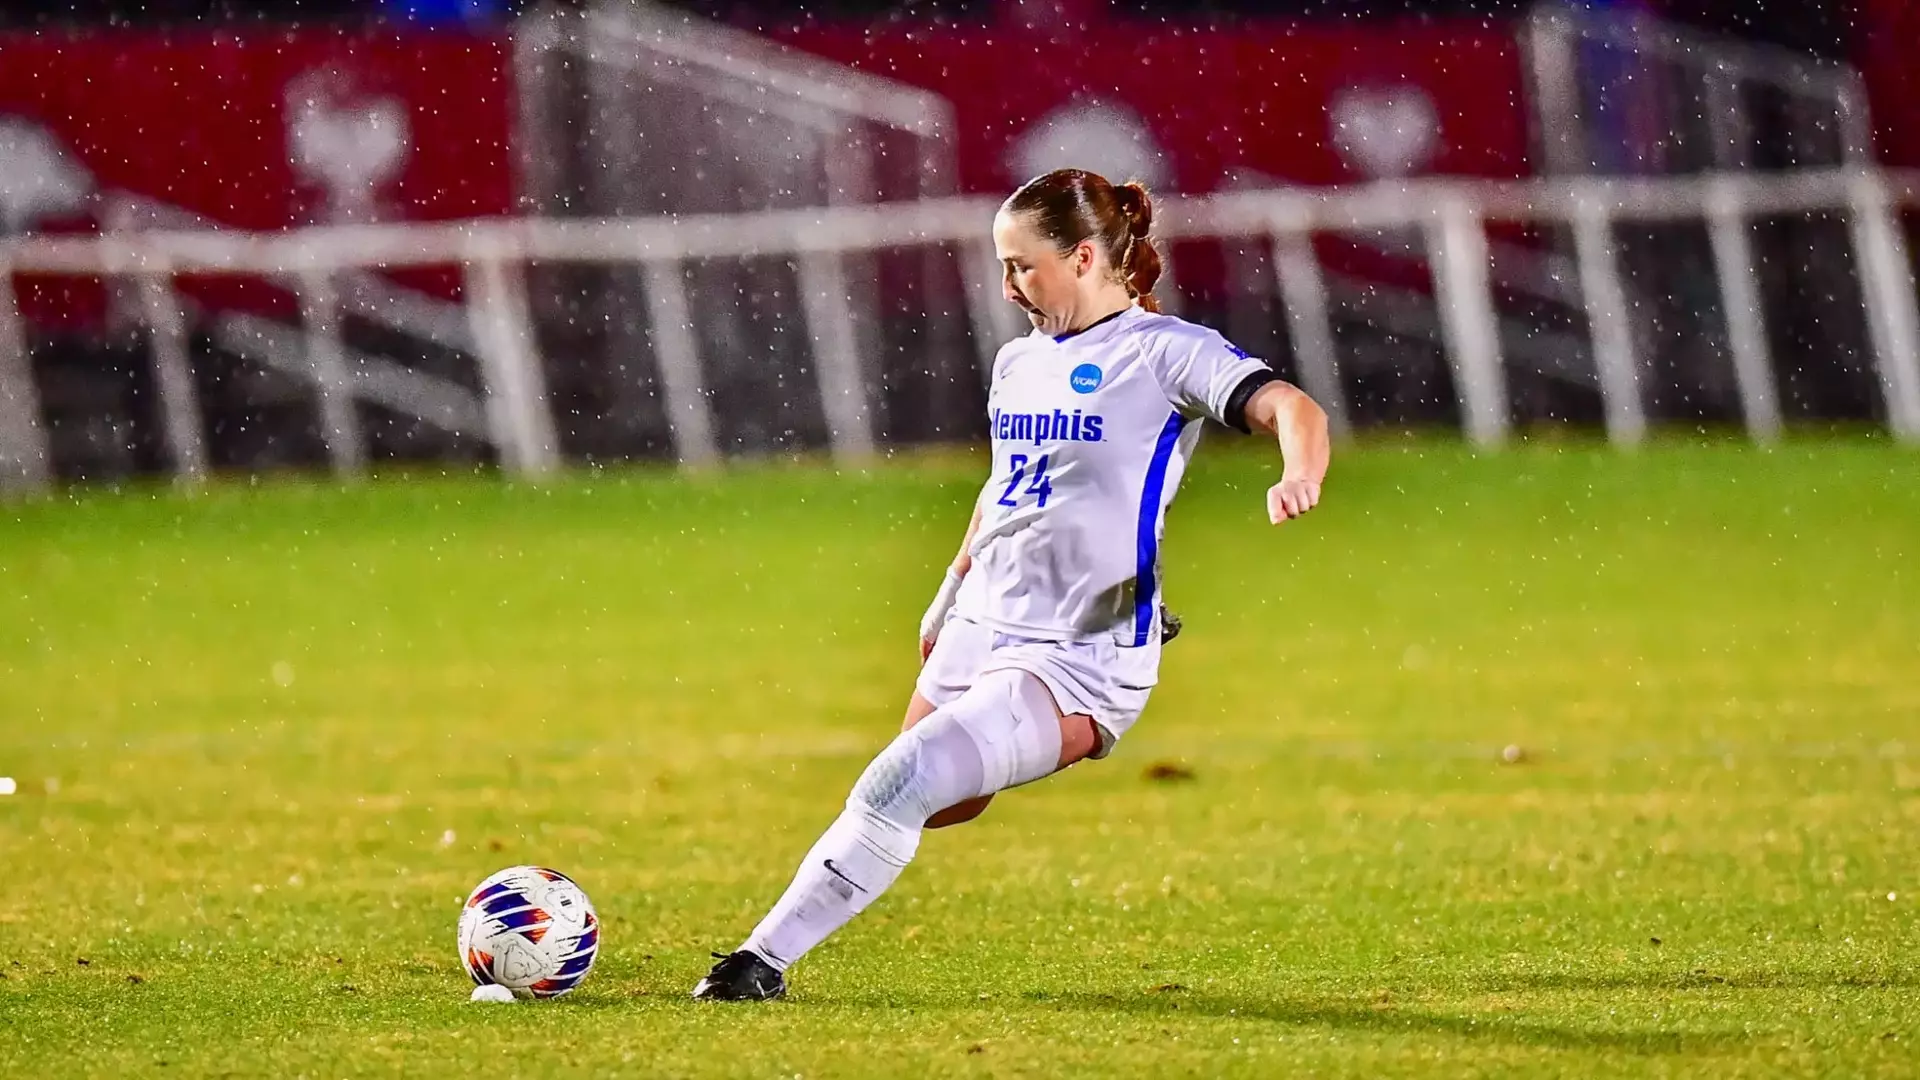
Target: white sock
[[859, 856], [1001, 733]]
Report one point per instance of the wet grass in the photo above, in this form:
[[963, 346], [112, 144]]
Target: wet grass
[[268, 735]]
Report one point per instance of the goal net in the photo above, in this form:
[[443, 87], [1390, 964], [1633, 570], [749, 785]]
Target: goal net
[[636, 110]]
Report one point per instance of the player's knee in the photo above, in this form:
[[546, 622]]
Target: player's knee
[[888, 777], [924, 770], [1003, 732]]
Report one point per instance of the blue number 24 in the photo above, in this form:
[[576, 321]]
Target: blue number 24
[[1040, 485]]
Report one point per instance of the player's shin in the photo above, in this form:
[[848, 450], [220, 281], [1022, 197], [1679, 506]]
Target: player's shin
[[1001, 733], [859, 856]]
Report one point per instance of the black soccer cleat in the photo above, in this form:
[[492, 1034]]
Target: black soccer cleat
[[741, 977]]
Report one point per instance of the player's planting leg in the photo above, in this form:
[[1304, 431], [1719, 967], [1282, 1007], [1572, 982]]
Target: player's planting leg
[[1002, 733]]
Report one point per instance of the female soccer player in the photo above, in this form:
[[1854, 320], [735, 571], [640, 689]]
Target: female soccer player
[[1044, 641]]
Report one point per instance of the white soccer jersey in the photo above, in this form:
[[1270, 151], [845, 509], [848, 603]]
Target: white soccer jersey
[[1091, 434]]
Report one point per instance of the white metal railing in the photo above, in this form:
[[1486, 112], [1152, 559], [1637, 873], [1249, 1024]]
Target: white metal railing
[[1451, 213], [316, 350]]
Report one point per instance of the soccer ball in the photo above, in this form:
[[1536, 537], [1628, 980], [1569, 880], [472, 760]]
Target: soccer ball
[[531, 930]]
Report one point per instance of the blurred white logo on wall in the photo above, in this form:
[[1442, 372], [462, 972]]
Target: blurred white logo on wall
[[350, 145], [1385, 132], [1103, 138], [38, 177]]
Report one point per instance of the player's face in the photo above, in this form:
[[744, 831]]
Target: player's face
[[1035, 274]]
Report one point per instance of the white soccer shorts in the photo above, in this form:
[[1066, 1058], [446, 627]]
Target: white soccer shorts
[[1103, 679]]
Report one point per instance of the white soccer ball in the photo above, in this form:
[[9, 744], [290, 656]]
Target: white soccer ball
[[531, 930]]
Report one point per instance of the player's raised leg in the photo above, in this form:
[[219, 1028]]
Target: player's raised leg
[[1004, 732]]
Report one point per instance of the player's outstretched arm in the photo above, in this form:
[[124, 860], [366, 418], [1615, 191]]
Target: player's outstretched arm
[[950, 588], [963, 560], [1284, 411]]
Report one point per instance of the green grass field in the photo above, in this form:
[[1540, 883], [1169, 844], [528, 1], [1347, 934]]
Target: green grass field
[[268, 736]]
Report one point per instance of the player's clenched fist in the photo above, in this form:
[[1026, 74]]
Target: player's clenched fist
[[1290, 498]]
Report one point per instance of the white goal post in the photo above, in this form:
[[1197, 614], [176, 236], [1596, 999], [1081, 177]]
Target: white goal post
[[1451, 214]]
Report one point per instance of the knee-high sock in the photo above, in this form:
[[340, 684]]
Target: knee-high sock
[[1002, 732]]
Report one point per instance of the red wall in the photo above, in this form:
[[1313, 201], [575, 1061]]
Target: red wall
[[1253, 96], [201, 121], [198, 120]]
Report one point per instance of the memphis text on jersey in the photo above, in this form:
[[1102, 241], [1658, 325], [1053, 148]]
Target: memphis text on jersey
[[1056, 426]]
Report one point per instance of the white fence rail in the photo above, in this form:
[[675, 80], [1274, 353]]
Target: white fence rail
[[1452, 214]]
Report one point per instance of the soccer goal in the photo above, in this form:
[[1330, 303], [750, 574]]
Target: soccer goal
[[636, 110]]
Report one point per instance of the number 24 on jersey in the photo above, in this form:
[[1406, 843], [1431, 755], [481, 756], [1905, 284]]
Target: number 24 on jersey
[[1038, 485]]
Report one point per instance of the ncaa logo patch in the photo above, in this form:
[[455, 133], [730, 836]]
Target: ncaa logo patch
[[1085, 379]]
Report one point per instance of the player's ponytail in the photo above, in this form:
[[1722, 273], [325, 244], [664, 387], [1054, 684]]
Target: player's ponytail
[[1068, 206], [1140, 262]]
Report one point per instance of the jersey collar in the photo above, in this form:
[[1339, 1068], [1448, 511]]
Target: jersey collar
[[1060, 339]]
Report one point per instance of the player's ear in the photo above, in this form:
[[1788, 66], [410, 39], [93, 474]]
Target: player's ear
[[1085, 258]]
